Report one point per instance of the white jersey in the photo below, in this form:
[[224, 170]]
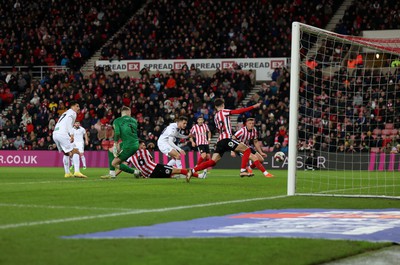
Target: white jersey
[[79, 134], [168, 136], [65, 123]]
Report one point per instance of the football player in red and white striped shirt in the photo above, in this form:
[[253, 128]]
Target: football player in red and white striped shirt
[[144, 162], [202, 135], [249, 136], [225, 142]]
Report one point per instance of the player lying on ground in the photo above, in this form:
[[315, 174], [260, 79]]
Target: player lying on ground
[[143, 161]]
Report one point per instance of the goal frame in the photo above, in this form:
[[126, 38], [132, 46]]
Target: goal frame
[[295, 68]]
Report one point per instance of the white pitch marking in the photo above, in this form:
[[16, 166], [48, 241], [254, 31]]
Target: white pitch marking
[[80, 218], [61, 207]]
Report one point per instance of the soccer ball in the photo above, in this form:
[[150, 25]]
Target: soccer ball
[[136, 173], [279, 156]]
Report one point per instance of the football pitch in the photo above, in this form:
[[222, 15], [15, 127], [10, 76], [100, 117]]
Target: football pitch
[[40, 210]]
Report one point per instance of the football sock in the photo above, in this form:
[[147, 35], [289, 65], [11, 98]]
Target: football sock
[[245, 159], [204, 165], [184, 171], [126, 168], [77, 161], [83, 161], [112, 173], [66, 164], [178, 163], [260, 167], [110, 159], [200, 160]]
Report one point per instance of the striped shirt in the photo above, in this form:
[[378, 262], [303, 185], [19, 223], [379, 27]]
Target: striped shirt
[[223, 124], [143, 161], [245, 136], [200, 132]]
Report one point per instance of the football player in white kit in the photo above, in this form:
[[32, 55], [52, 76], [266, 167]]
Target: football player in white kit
[[166, 141], [80, 140], [63, 136]]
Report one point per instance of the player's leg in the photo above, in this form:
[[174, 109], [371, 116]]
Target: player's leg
[[76, 161], [246, 152], [66, 166], [111, 173], [128, 150], [257, 159], [175, 156], [81, 149]]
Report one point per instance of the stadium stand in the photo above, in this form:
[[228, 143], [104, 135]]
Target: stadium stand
[[72, 32]]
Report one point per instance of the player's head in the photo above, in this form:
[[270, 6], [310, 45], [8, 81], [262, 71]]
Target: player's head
[[77, 124], [250, 123], [182, 122], [219, 103], [200, 120], [142, 144], [74, 106], [125, 111]]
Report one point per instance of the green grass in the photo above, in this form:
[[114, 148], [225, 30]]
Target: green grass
[[37, 206]]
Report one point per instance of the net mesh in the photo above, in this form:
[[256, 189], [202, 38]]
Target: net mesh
[[348, 115]]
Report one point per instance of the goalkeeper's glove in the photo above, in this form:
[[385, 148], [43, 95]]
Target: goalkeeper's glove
[[115, 150]]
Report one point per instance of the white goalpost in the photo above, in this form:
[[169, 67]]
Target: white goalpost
[[344, 115]]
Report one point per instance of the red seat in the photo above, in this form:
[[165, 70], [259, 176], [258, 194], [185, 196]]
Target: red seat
[[389, 126], [386, 132], [377, 131], [375, 150], [394, 132], [105, 144]]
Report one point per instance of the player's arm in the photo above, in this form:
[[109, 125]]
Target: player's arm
[[191, 137], [117, 136], [171, 142], [86, 138], [243, 110], [209, 135], [70, 128], [257, 146]]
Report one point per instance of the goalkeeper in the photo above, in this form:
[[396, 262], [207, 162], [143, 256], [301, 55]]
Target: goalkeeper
[[125, 129]]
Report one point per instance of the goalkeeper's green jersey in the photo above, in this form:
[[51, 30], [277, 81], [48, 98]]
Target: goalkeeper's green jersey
[[125, 128]]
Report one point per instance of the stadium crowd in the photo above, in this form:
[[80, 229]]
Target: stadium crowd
[[70, 34]]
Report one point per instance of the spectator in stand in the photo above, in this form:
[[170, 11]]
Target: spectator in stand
[[19, 143]]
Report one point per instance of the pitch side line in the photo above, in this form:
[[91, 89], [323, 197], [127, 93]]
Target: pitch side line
[[62, 207], [80, 218]]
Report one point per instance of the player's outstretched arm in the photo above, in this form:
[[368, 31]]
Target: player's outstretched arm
[[243, 110]]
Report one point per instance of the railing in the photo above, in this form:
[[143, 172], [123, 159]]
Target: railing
[[37, 72]]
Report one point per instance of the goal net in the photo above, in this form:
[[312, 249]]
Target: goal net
[[344, 115]]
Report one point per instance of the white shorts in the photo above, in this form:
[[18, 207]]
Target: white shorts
[[165, 148], [63, 143], [80, 146]]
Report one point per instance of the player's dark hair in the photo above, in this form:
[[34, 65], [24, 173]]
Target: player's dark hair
[[219, 102], [142, 141], [73, 103], [183, 118], [250, 119]]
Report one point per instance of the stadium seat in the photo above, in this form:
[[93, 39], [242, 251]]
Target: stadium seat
[[386, 132], [377, 132], [389, 126], [394, 132], [375, 150], [105, 144]]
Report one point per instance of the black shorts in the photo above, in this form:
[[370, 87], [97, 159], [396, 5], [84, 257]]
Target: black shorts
[[226, 145], [161, 171], [204, 148]]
